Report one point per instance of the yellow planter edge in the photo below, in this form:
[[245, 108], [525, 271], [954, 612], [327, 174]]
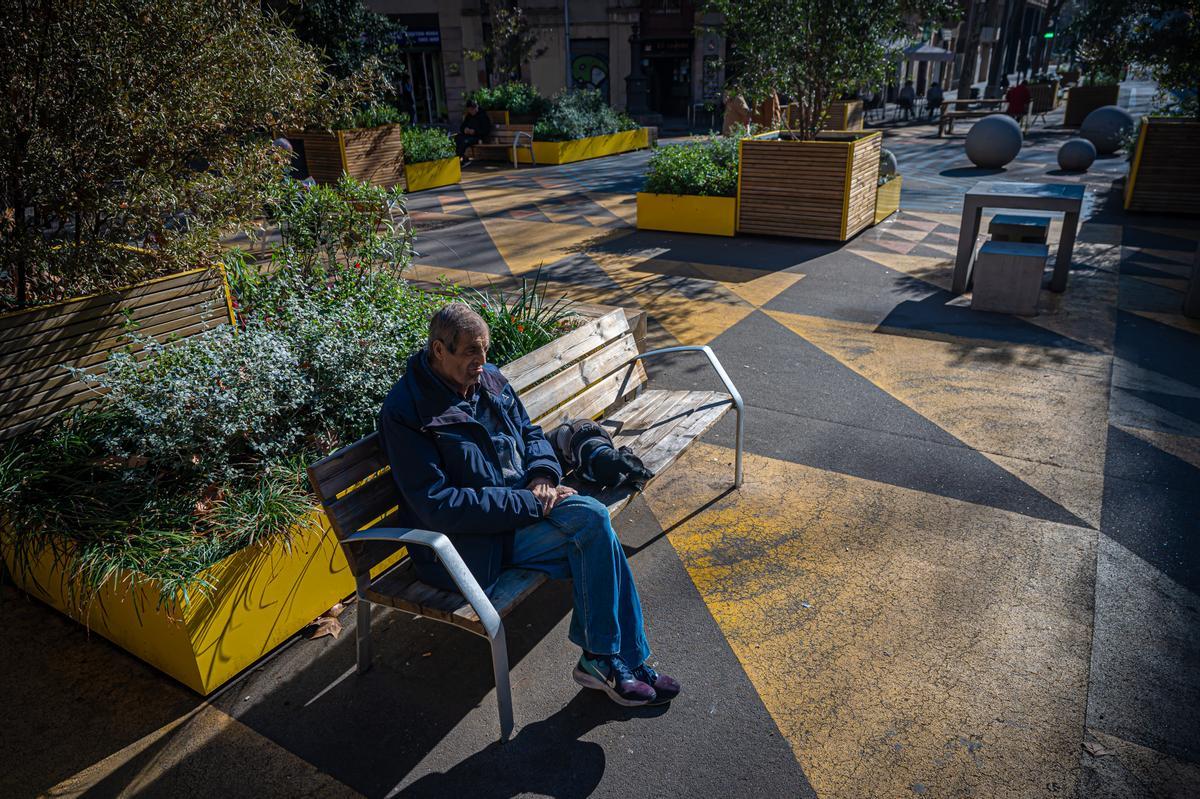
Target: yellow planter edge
[[566, 152], [687, 213], [887, 199], [432, 174], [263, 595]]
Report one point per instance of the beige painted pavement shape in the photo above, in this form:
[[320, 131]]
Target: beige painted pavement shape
[[1038, 412], [904, 643]]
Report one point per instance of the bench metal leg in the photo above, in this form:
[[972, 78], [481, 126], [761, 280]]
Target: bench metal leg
[[363, 634], [503, 688]]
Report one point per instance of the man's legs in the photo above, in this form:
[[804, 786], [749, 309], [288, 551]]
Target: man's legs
[[462, 142], [577, 542]]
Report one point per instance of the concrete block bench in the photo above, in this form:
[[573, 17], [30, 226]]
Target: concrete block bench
[[1008, 277], [1019, 227]]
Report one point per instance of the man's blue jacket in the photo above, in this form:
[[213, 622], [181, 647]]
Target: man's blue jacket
[[449, 473]]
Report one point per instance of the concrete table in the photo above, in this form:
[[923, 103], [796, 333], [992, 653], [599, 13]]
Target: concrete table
[[1059, 197]]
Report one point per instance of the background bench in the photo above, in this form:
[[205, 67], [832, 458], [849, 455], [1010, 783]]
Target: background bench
[[505, 139], [595, 372]]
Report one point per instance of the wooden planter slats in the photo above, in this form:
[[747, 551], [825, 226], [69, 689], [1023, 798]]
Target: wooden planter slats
[[822, 189], [35, 343], [1165, 169], [374, 155], [1083, 100]]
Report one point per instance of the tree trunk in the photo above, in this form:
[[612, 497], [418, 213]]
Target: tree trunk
[[970, 52]]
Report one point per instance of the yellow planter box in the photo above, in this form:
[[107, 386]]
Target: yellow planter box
[[262, 595], [887, 199], [686, 213], [566, 152], [431, 174]]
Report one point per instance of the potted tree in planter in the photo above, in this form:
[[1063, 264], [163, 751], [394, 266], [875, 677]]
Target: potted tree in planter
[[1102, 55], [692, 188], [366, 145], [807, 182], [429, 159], [1161, 36]]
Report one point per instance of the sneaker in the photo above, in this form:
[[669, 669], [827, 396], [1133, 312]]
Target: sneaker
[[612, 675], [665, 688]]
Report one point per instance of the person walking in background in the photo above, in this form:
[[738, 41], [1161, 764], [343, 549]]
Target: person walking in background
[[933, 99], [907, 99], [1018, 100]]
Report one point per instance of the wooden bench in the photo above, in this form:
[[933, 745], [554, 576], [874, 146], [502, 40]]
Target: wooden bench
[[502, 140], [596, 372]]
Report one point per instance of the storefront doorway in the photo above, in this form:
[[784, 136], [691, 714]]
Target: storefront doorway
[[668, 64]]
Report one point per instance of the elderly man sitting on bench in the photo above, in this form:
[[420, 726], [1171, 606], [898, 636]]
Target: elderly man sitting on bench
[[471, 464]]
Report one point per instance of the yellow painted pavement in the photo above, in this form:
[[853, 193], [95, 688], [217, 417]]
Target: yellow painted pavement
[[904, 643]]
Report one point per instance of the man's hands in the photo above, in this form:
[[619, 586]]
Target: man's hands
[[469, 131], [548, 494]]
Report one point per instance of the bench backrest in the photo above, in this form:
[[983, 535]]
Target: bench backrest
[[504, 134], [36, 343], [579, 375]]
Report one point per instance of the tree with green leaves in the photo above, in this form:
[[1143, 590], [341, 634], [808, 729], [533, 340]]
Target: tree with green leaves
[[348, 36], [134, 122], [1161, 35], [513, 43], [816, 50]]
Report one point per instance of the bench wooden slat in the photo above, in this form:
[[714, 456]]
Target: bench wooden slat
[[363, 505], [597, 399], [544, 361], [578, 376], [339, 470], [399, 588]]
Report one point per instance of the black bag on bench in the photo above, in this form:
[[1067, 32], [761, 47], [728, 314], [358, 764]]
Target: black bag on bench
[[586, 447]]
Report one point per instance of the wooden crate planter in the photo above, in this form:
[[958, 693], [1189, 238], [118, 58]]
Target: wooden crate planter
[[887, 199], [36, 343], [431, 174], [566, 152], [263, 595], [845, 115], [1083, 100], [822, 189], [504, 117], [686, 213], [1165, 169], [374, 155]]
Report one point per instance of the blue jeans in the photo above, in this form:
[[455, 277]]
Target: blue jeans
[[577, 542]]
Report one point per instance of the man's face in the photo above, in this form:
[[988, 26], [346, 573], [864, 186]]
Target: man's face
[[462, 367], [471, 109]]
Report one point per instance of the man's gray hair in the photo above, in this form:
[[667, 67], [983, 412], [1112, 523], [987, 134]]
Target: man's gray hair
[[455, 318]]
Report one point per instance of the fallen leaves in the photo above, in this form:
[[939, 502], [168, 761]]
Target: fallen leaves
[[325, 624]]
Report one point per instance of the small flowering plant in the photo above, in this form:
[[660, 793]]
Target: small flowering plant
[[524, 321]]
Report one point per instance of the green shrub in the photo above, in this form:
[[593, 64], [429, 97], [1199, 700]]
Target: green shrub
[[706, 168], [522, 323], [514, 97], [373, 116], [196, 448], [427, 144], [578, 114]]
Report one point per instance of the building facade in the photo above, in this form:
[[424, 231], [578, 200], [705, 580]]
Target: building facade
[[587, 42]]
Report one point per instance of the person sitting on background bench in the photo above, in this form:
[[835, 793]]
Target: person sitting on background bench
[[469, 463], [476, 127]]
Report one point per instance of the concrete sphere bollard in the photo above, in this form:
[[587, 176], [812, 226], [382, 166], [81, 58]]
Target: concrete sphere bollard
[[1106, 127], [887, 163], [993, 141], [1076, 155]]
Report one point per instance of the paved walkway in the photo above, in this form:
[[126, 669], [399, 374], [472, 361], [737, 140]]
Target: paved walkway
[[964, 561]]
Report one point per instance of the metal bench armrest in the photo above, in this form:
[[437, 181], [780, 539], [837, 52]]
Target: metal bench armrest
[[516, 142], [466, 583], [738, 405]]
